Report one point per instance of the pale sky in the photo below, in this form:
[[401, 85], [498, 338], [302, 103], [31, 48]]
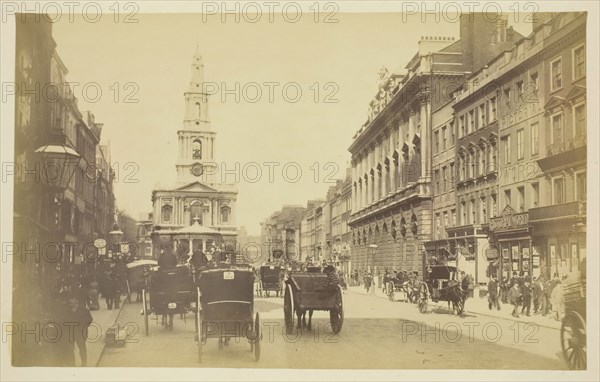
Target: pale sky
[[156, 53]]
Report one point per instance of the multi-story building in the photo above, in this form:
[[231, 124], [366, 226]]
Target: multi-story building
[[51, 211], [538, 104], [392, 152], [338, 243], [310, 241], [557, 198], [280, 233], [144, 237]]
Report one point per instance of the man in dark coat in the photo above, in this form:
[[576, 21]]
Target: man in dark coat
[[493, 293], [526, 294], [76, 321], [167, 260]]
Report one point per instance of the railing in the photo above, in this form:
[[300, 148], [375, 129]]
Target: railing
[[569, 144]]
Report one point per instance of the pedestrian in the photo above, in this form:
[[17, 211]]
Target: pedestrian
[[526, 294], [109, 289], [514, 296], [537, 290], [368, 281], [503, 290], [76, 322], [514, 279], [493, 293], [386, 280], [557, 299], [92, 299]]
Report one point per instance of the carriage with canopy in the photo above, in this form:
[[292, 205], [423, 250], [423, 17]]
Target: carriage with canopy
[[225, 307], [443, 283], [170, 291], [270, 280]]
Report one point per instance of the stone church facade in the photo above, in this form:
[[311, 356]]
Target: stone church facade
[[199, 197]]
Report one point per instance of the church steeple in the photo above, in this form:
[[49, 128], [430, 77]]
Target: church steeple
[[196, 99], [196, 138]]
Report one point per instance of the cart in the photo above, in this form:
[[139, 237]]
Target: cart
[[303, 293], [225, 302], [171, 291]]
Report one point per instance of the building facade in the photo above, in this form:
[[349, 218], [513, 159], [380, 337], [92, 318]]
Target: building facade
[[56, 217], [280, 234]]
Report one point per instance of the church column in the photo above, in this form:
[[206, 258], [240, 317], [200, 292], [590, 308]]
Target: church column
[[191, 247]]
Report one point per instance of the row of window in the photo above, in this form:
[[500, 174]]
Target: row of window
[[578, 68], [196, 213], [560, 134]]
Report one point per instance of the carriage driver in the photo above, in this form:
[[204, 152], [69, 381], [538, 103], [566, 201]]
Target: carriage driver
[[332, 281]]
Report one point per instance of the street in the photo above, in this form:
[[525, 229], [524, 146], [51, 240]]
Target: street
[[377, 334]]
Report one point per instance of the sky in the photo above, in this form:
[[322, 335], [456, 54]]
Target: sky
[[143, 69]]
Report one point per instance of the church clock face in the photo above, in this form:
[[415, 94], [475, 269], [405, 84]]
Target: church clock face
[[197, 169]]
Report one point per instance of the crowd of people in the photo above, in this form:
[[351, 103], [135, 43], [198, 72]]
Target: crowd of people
[[544, 296]]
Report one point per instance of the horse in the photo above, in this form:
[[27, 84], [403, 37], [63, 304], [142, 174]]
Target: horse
[[301, 314], [458, 292]]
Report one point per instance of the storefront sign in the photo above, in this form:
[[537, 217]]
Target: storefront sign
[[509, 220]]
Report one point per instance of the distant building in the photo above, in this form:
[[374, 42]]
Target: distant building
[[280, 234]]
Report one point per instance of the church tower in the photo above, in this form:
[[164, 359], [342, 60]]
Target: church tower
[[196, 140]]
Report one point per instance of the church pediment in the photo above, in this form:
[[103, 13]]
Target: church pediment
[[196, 187]]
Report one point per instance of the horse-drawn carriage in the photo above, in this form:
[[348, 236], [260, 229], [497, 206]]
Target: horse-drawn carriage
[[304, 293], [573, 336], [269, 280], [170, 291], [443, 284], [401, 287], [137, 276], [225, 307]]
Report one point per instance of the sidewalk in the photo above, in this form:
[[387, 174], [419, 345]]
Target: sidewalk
[[479, 306], [103, 319]]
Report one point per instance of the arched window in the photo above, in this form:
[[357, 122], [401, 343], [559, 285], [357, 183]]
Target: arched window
[[196, 149], [166, 212], [198, 110], [225, 213]]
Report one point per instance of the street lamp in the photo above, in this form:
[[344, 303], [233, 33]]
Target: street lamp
[[58, 163]]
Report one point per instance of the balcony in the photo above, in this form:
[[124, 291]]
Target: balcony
[[564, 153], [558, 211]]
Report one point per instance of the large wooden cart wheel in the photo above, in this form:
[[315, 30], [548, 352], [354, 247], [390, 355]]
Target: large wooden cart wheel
[[288, 309], [423, 297], [336, 316], [258, 337], [573, 341], [199, 334], [391, 291], [145, 311]]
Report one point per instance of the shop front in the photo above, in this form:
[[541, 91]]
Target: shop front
[[560, 233], [512, 249]]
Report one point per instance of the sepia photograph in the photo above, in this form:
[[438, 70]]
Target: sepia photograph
[[280, 190]]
